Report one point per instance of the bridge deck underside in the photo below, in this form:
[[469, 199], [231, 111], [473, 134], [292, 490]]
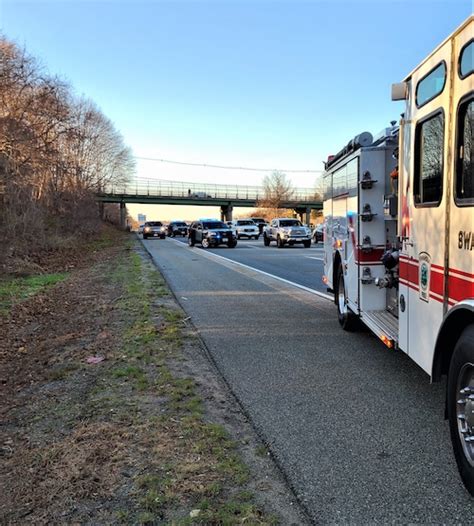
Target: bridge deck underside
[[201, 201]]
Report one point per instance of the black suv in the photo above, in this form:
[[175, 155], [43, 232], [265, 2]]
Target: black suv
[[177, 228], [211, 233]]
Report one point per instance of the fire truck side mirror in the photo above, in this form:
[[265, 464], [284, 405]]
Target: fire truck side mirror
[[399, 91]]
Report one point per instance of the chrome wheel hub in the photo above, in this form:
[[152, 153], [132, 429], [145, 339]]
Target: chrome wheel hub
[[465, 410], [341, 297]]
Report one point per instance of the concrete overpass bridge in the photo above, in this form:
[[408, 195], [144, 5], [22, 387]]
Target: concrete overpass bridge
[[162, 192]]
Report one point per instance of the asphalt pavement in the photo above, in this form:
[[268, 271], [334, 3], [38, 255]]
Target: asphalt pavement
[[357, 429], [296, 264]]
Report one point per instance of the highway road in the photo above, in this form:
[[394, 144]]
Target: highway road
[[297, 264], [357, 429]]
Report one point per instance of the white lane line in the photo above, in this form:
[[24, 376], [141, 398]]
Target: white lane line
[[249, 245], [237, 263], [273, 250], [313, 257]]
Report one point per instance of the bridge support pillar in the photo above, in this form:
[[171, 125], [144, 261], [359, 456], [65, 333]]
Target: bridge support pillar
[[123, 215], [101, 210], [226, 212], [304, 215]]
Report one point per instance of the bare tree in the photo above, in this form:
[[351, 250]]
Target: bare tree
[[277, 189], [55, 153]]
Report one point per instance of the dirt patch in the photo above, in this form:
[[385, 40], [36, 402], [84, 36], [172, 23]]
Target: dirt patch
[[112, 413], [68, 252]]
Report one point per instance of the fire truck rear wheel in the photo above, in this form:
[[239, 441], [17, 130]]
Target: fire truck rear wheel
[[460, 398], [347, 318]]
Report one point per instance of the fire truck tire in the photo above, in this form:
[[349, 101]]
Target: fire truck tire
[[460, 400], [347, 319]]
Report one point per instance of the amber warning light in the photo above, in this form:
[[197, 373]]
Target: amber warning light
[[388, 342]]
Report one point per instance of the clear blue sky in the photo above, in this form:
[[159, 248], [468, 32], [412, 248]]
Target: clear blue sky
[[278, 84]]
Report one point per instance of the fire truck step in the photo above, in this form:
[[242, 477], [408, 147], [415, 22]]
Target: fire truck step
[[382, 322]]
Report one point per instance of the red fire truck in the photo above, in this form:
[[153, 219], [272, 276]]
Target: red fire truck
[[399, 230]]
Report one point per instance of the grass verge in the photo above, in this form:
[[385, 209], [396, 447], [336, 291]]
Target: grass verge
[[103, 426], [15, 290], [196, 475]]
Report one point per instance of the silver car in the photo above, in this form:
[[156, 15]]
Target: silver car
[[154, 229], [246, 228], [287, 231]]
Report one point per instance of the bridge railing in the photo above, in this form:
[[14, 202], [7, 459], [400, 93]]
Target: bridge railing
[[187, 190]]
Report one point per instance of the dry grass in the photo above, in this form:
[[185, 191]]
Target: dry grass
[[125, 440]]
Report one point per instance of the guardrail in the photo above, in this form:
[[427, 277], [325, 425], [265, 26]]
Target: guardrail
[[187, 190]]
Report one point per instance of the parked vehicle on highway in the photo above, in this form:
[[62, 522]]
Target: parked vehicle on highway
[[246, 228], [286, 231], [154, 229], [211, 233], [318, 234], [177, 228], [400, 239], [260, 222]]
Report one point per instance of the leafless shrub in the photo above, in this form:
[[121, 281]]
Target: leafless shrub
[[56, 151]]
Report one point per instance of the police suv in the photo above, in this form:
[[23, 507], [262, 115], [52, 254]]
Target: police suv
[[211, 233]]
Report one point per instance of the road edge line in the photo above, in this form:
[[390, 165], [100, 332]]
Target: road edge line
[[288, 282]]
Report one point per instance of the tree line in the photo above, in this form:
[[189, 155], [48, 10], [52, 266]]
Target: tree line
[[56, 151]]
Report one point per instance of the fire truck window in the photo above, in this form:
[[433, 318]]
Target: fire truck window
[[431, 85], [465, 160], [466, 64], [344, 180], [428, 183]]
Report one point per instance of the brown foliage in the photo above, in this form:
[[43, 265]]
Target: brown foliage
[[55, 152]]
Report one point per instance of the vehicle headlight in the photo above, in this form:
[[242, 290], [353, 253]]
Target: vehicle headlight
[[163, 228], [146, 229]]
